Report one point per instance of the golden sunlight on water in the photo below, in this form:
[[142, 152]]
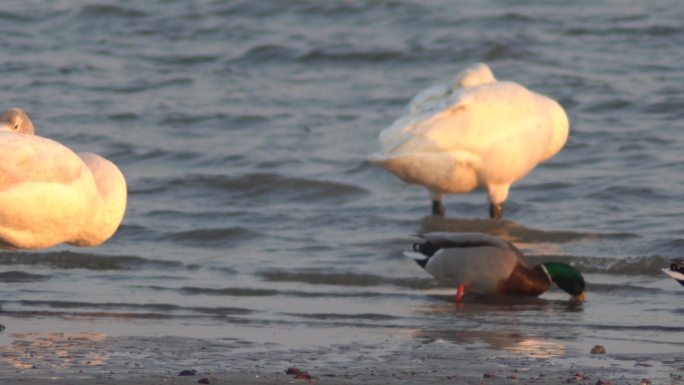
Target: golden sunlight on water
[[57, 350], [539, 348], [509, 340]]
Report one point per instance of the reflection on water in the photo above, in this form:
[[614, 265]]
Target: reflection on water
[[485, 304], [56, 350], [511, 231], [531, 240], [508, 339], [502, 323]]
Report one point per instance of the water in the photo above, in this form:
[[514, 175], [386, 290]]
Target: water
[[242, 129]]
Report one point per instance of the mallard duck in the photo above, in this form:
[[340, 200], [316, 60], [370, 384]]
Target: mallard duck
[[483, 264], [49, 194], [676, 270], [475, 133]]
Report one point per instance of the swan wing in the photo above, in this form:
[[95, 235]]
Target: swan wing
[[472, 120], [429, 99], [28, 158]]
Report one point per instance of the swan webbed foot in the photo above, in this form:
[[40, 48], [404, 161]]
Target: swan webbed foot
[[495, 211], [438, 208]]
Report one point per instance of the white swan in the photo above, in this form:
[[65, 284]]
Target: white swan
[[478, 132], [49, 194]]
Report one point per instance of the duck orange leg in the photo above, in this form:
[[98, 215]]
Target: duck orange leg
[[459, 293]]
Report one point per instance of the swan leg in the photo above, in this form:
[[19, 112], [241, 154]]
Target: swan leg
[[495, 211], [497, 195], [438, 208], [459, 293]]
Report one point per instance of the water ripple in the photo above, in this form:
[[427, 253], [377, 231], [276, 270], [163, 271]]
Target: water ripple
[[345, 279], [20, 276], [73, 260], [110, 10]]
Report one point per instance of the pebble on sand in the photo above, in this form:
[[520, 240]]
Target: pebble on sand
[[186, 372], [297, 373], [598, 349]]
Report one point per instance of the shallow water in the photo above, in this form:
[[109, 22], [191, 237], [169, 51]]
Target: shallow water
[[242, 129]]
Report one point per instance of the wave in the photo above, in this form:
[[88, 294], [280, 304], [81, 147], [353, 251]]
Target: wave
[[644, 265], [117, 309], [624, 193], [437, 51], [124, 116], [110, 10], [181, 60], [661, 30], [73, 260], [257, 292], [620, 289], [20, 276], [345, 279], [339, 316], [144, 85], [218, 237], [229, 291], [89, 314], [135, 232], [267, 53], [234, 121], [16, 17], [330, 9], [252, 187], [350, 54], [515, 17], [135, 152]]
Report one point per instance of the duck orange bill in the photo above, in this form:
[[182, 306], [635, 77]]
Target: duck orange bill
[[579, 297]]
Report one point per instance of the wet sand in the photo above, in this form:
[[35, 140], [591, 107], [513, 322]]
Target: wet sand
[[92, 358]]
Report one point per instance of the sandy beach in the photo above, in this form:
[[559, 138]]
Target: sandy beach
[[92, 358]]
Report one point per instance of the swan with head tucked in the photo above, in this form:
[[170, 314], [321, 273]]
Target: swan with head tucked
[[51, 195], [486, 265], [475, 133]]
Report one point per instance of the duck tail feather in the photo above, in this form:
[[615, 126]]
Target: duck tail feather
[[419, 258]]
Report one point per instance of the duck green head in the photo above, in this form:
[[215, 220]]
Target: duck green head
[[567, 278]]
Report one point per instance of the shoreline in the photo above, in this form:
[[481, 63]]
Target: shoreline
[[159, 360]]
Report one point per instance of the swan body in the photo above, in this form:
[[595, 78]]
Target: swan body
[[486, 265], [476, 133], [51, 195]]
